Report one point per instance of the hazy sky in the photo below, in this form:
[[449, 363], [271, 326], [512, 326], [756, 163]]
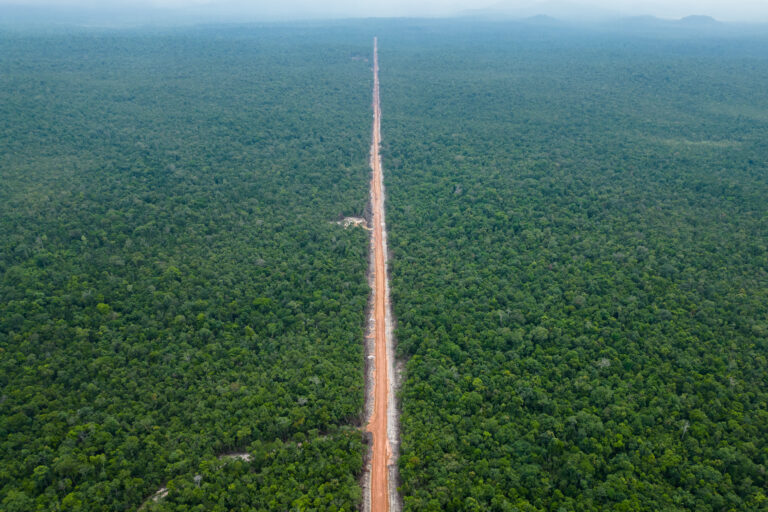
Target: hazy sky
[[726, 10]]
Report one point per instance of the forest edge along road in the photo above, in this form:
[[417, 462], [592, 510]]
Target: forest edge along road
[[381, 423]]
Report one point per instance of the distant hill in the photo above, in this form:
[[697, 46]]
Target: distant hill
[[699, 20], [696, 25], [553, 10], [542, 19]]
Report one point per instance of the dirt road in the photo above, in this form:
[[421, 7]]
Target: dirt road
[[381, 422]]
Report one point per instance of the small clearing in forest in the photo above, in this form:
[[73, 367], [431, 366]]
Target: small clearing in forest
[[354, 222]]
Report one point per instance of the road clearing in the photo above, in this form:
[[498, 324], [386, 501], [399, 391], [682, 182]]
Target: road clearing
[[382, 423]]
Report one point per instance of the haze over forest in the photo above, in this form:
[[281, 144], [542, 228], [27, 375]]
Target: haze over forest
[[121, 12]]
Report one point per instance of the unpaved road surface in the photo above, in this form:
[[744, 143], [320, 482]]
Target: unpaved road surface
[[383, 398]]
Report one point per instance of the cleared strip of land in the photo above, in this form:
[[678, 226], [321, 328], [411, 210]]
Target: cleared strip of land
[[380, 425]]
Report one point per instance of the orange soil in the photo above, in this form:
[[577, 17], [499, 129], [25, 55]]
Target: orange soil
[[377, 425]]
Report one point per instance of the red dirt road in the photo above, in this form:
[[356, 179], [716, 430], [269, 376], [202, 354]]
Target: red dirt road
[[380, 460]]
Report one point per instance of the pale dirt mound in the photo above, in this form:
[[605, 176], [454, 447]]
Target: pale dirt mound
[[354, 222], [246, 457]]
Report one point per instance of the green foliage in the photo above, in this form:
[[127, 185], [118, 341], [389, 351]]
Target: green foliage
[[173, 285], [578, 229], [315, 474], [577, 225]]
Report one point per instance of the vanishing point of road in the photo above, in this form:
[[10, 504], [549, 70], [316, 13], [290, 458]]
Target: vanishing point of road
[[380, 425]]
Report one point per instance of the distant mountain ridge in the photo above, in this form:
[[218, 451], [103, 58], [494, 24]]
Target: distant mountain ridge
[[556, 11], [577, 11], [543, 13], [692, 20], [552, 9], [699, 19]]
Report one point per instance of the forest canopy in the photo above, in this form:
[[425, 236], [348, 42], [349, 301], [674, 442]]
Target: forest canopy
[[577, 224], [578, 228], [174, 287]]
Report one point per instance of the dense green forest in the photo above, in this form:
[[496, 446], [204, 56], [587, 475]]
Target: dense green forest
[[173, 285], [579, 238], [578, 226]]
